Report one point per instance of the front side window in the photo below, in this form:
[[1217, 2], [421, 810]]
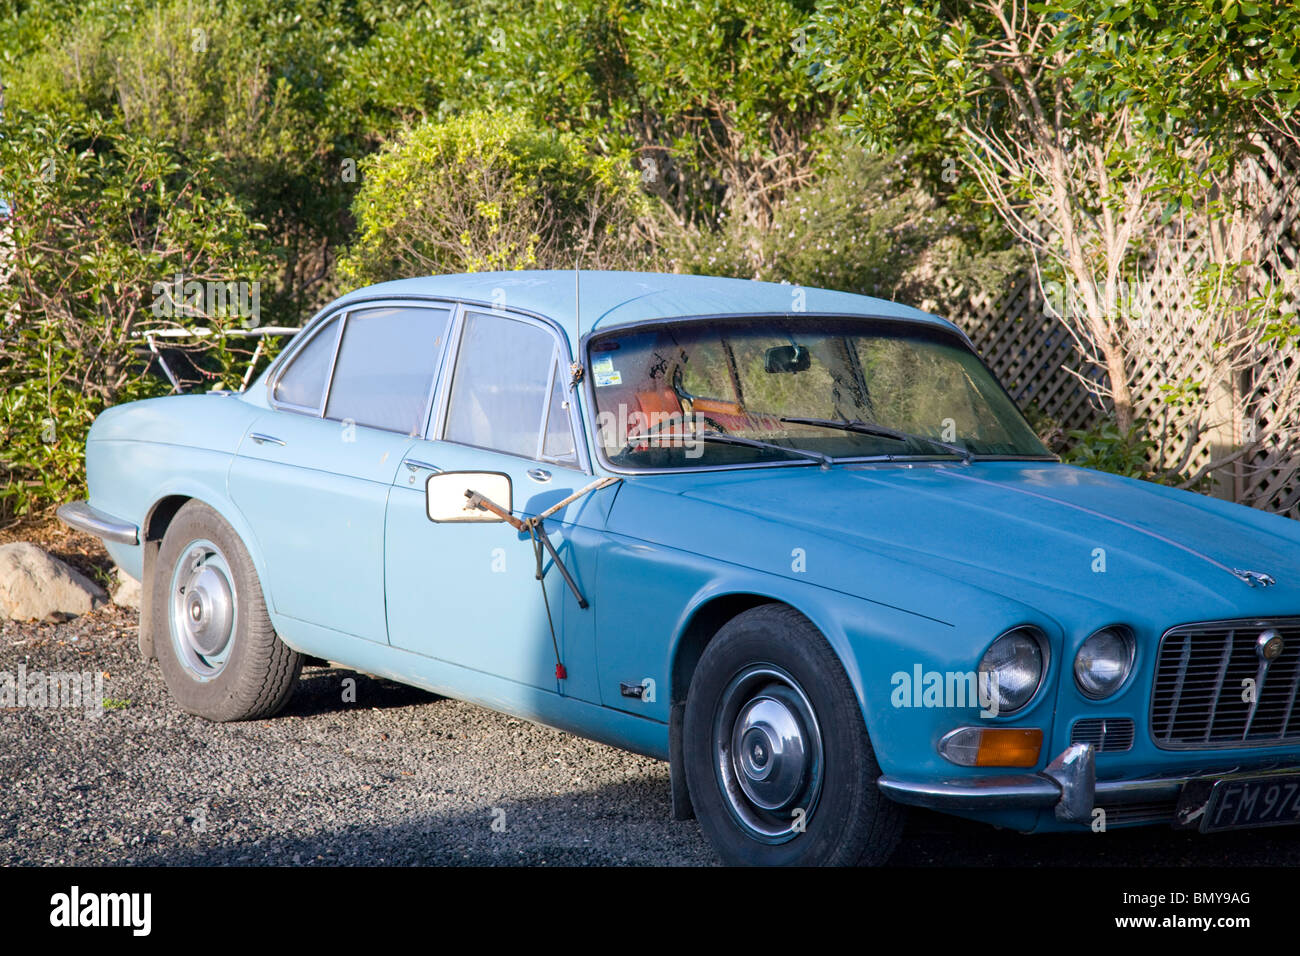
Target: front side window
[[302, 383], [506, 394], [387, 361], [695, 394]]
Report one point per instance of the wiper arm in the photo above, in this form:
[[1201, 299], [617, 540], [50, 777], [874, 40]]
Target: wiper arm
[[880, 431], [824, 460]]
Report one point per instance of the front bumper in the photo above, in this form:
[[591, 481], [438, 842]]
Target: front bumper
[[80, 515], [1069, 785]]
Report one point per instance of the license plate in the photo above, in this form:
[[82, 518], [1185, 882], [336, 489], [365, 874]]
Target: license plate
[[1243, 803]]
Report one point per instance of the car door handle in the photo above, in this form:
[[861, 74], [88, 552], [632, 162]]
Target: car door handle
[[414, 464], [539, 474], [266, 439]]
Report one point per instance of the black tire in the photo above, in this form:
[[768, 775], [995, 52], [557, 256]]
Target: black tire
[[794, 673], [253, 674]]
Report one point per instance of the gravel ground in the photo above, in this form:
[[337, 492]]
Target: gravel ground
[[398, 777]]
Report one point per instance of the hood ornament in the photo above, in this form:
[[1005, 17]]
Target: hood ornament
[[1254, 577]]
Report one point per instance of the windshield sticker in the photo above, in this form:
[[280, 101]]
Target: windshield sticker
[[603, 370]]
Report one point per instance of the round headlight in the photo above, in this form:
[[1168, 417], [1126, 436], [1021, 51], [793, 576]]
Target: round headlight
[[1014, 663], [1104, 661]]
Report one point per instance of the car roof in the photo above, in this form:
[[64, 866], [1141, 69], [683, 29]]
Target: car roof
[[611, 299]]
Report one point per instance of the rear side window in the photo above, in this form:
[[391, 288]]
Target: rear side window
[[302, 384], [503, 388], [387, 361]]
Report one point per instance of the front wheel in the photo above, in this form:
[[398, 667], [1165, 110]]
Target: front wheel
[[776, 754], [218, 652]]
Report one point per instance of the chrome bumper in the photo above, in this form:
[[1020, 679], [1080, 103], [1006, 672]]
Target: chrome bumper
[[80, 515], [1069, 784]]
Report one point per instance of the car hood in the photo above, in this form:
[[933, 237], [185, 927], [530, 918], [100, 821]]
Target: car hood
[[1057, 527]]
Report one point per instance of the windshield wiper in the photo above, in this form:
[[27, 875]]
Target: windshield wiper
[[880, 431], [824, 460]]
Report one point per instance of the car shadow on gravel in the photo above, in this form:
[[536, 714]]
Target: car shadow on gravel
[[325, 690], [590, 829], [604, 826], [628, 824]]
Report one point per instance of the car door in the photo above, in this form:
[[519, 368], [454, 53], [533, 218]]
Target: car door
[[313, 474], [468, 593]]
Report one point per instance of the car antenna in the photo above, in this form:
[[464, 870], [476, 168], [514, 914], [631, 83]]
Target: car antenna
[[575, 367]]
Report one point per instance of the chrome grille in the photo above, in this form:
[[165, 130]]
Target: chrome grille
[[1134, 813], [1197, 699], [1106, 734]]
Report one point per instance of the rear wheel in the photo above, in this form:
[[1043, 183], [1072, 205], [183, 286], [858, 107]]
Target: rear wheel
[[218, 652], [776, 754]]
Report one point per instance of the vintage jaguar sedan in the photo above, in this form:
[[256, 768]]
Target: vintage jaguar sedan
[[798, 543]]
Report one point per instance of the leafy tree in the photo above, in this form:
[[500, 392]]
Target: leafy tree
[[708, 96], [1088, 125], [866, 223]]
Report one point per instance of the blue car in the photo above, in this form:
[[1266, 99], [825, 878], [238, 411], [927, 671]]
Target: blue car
[[798, 543]]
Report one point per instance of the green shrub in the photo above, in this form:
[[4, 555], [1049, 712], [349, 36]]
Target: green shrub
[[241, 85], [1139, 452], [487, 191], [102, 220], [1105, 447]]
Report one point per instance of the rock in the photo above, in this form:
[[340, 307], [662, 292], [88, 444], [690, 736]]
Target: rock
[[126, 592], [36, 586]]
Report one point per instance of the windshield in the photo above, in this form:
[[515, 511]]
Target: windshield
[[669, 396]]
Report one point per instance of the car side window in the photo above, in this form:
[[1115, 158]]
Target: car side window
[[504, 391], [302, 383], [387, 361]]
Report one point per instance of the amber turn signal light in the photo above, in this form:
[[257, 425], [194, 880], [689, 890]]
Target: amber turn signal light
[[993, 746]]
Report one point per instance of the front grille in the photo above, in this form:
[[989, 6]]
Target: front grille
[[1106, 734], [1199, 696]]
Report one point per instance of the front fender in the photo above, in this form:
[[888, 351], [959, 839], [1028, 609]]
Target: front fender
[[874, 642]]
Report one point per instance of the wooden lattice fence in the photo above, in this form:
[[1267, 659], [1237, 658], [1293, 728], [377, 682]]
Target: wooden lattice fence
[[1036, 357], [1032, 353]]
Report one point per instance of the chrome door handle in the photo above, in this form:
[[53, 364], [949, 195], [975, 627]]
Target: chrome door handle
[[266, 439], [414, 464], [539, 474]]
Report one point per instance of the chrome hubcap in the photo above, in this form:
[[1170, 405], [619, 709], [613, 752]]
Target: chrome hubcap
[[202, 612], [768, 753]]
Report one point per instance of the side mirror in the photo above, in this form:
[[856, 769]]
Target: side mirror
[[787, 358], [445, 500]]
